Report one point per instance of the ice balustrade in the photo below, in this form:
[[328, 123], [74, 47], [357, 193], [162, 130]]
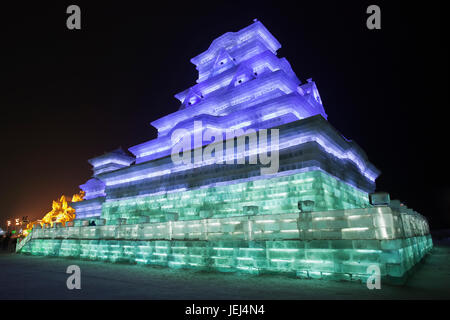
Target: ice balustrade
[[379, 223]]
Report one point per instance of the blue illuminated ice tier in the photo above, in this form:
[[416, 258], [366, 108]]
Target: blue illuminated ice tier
[[247, 176]]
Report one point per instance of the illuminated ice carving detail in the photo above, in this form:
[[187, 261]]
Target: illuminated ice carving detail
[[215, 153], [230, 217]]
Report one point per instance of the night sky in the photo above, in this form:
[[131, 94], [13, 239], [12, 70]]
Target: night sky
[[68, 96]]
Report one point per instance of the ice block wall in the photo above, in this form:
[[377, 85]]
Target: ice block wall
[[266, 196], [335, 244]]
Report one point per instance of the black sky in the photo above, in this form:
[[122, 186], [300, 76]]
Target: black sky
[[67, 96]]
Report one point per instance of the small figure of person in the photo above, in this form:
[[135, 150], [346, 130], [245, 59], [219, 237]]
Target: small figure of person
[[12, 245], [6, 241]]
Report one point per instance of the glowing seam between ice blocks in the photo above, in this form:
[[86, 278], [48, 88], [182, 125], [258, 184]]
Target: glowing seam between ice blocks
[[230, 218]]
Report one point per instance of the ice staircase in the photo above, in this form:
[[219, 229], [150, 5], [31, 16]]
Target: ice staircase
[[24, 241]]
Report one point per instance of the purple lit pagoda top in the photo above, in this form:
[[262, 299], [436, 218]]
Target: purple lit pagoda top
[[241, 84]]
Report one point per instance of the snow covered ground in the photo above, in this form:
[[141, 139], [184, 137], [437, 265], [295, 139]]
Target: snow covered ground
[[34, 277]]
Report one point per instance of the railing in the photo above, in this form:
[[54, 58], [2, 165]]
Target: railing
[[379, 223]]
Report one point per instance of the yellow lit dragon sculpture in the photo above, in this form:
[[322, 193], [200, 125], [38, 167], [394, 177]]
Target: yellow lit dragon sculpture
[[61, 212]]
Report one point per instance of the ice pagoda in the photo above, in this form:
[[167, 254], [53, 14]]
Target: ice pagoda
[[316, 217]]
